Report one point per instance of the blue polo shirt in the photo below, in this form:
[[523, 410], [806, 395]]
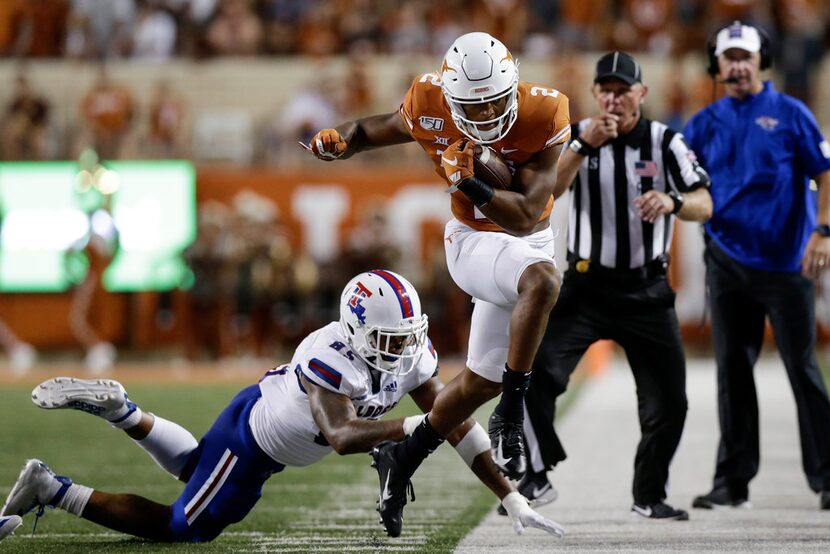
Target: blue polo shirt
[[760, 153]]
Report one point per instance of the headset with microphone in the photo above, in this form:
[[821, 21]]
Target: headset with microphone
[[713, 67]]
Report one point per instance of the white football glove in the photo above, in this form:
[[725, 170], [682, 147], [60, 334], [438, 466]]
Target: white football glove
[[521, 515], [411, 423]]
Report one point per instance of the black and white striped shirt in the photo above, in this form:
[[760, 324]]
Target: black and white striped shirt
[[604, 225]]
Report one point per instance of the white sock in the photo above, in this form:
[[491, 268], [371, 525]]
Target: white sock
[[169, 444], [125, 417], [75, 499]]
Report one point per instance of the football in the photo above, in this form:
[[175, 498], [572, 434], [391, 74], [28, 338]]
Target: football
[[491, 168]]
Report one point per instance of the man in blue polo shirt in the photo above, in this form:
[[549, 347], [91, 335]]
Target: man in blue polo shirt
[[766, 243]]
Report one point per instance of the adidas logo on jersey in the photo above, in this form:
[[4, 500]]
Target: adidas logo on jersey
[[391, 387]]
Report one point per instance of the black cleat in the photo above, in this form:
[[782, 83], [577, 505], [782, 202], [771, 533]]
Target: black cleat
[[825, 500], [393, 488], [659, 511], [721, 497], [536, 488], [507, 446]]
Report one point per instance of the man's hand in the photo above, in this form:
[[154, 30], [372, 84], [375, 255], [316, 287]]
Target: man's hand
[[328, 145], [457, 161], [816, 256], [653, 204], [521, 515], [601, 129]]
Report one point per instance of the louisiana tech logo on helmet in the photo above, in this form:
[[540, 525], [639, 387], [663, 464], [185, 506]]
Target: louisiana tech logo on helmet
[[356, 301]]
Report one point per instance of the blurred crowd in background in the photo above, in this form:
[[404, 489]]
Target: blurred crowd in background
[[252, 293], [253, 296], [156, 30]]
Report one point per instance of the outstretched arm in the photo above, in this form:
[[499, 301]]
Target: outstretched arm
[[352, 137], [482, 463], [335, 415], [346, 433], [473, 445]]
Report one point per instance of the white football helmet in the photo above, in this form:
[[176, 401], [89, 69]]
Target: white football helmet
[[380, 313], [478, 68]]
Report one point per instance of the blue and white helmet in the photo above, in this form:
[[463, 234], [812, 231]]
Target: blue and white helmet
[[380, 313]]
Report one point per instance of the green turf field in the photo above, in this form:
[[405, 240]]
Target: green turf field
[[327, 507]]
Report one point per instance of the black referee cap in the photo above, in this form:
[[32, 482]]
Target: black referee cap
[[619, 65]]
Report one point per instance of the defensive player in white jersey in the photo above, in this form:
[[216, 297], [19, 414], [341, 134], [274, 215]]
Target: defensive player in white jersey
[[499, 243], [341, 379]]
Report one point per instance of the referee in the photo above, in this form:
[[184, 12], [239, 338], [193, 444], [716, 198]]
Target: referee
[[629, 176]]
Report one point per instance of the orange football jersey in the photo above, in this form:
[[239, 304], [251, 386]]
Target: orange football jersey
[[543, 122]]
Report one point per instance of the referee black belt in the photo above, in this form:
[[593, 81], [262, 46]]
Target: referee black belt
[[654, 269]]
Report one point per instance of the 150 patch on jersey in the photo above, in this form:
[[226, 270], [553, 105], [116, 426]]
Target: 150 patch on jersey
[[431, 123]]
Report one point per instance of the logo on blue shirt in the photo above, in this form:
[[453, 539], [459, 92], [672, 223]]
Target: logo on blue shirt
[[767, 123]]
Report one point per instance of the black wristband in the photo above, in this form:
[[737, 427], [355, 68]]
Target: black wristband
[[677, 198], [479, 192], [581, 147], [823, 230]]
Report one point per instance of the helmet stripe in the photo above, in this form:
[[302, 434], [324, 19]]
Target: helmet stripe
[[400, 291]]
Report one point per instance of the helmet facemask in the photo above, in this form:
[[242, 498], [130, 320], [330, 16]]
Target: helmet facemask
[[479, 69], [393, 350], [373, 311]]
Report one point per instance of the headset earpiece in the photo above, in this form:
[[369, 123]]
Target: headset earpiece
[[713, 68], [766, 49]]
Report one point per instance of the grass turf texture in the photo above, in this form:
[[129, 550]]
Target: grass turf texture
[[326, 507]]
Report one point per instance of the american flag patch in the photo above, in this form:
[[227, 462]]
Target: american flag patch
[[645, 168]]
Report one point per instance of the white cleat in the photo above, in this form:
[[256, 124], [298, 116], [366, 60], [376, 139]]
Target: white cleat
[[8, 524], [37, 486], [101, 397]]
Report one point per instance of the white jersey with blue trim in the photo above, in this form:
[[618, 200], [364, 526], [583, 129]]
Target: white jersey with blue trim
[[281, 420]]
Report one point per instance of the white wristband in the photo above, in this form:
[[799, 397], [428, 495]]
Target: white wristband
[[411, 423], [474, 443]]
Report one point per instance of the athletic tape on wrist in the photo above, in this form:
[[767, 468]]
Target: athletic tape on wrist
[[479, 192], [410, 423], [474, 443]]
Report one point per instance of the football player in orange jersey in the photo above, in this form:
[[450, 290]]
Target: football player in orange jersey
[[499, 245]]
